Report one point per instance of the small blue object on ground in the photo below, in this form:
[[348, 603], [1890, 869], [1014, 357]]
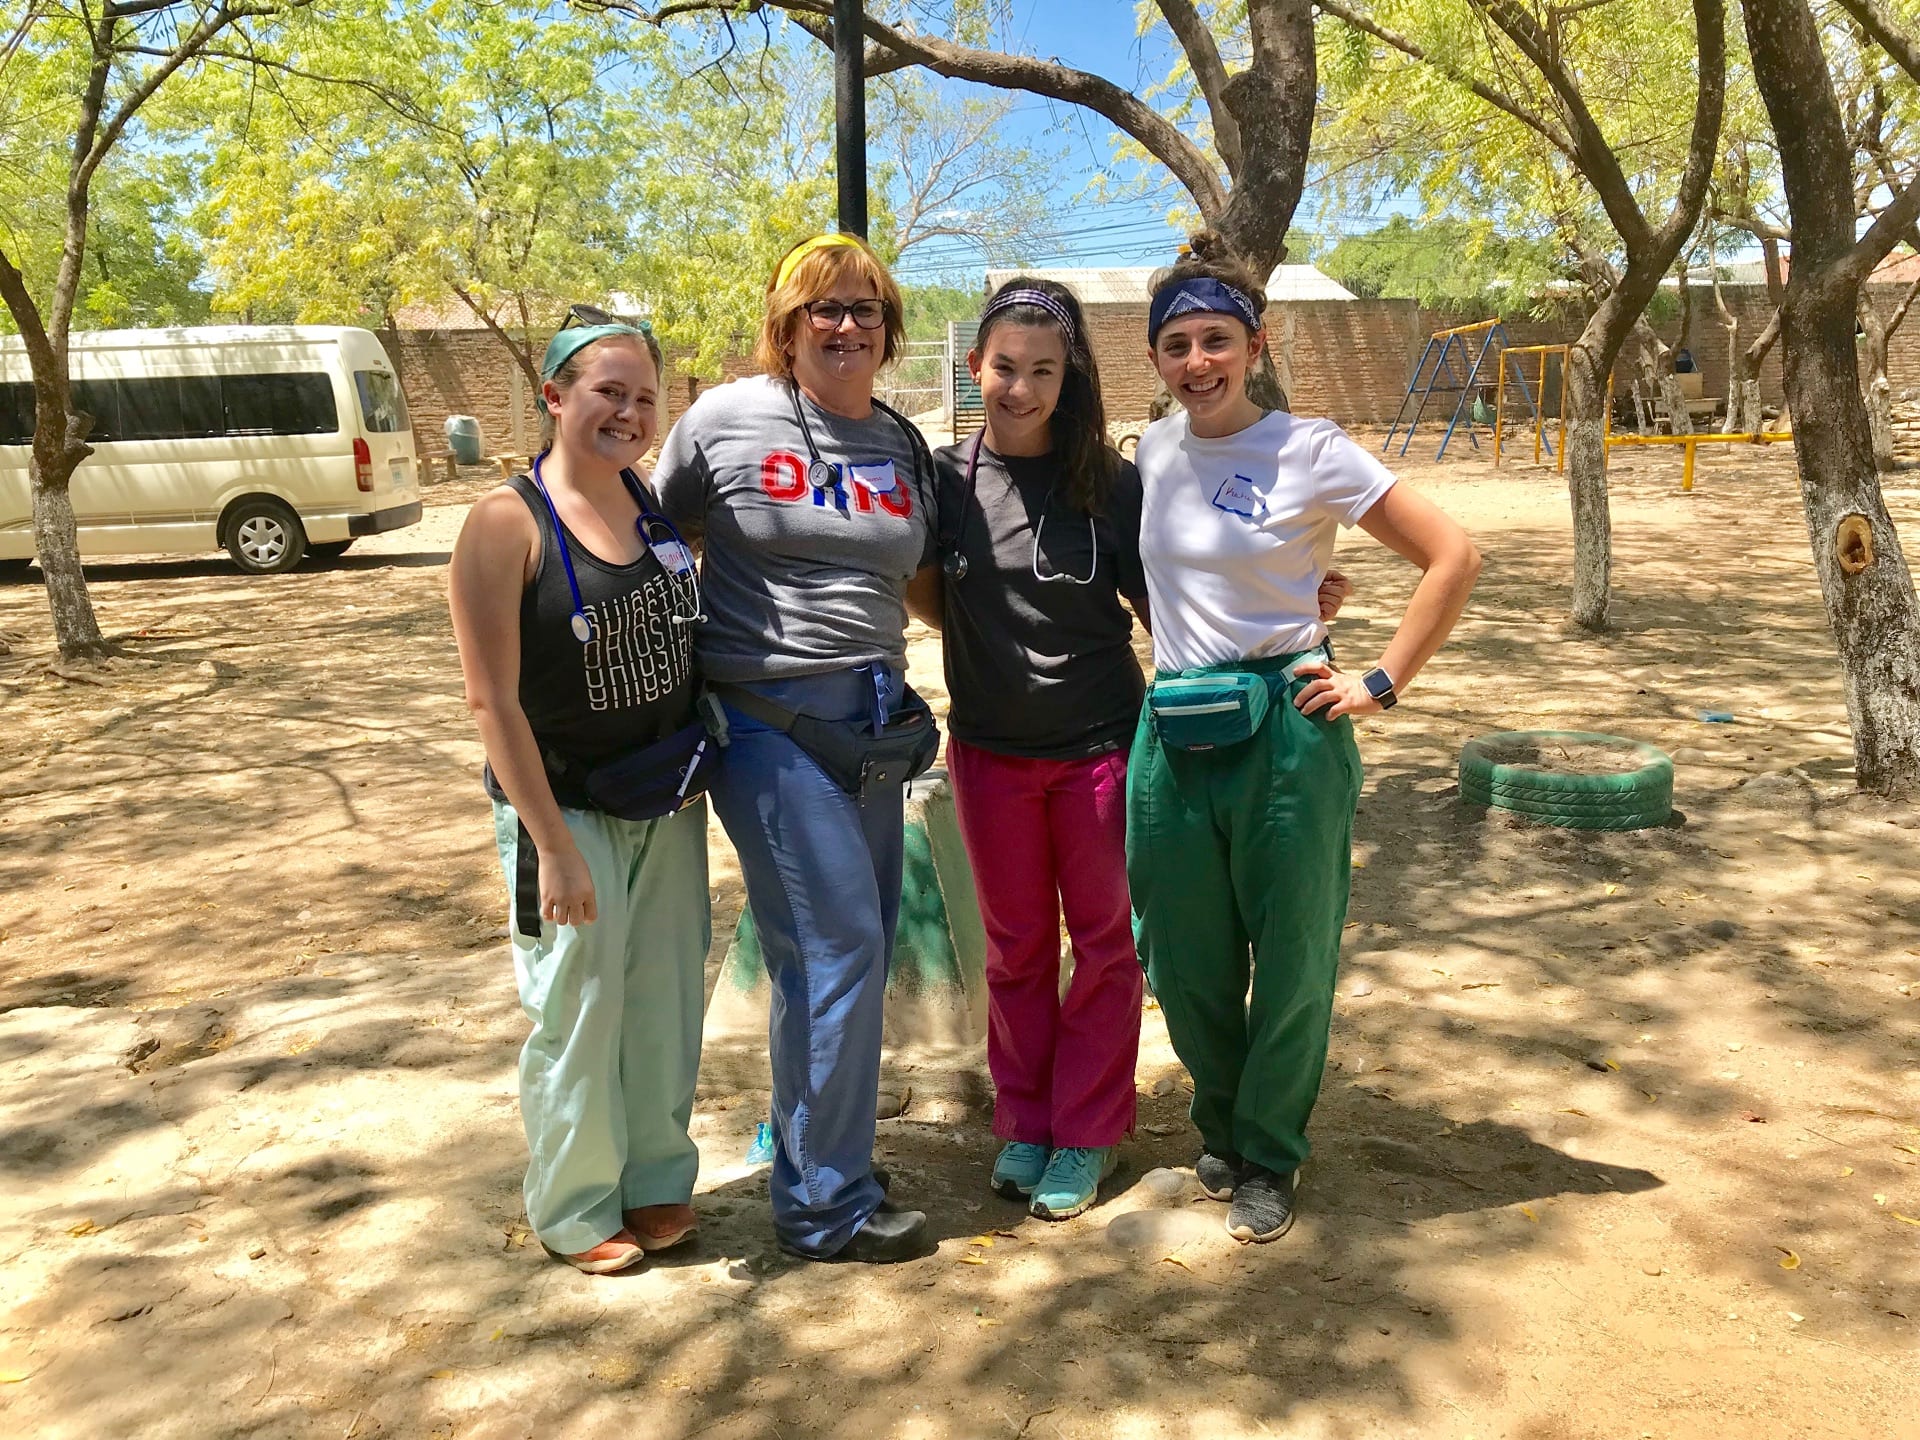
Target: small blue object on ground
[[1717, 717], [760, 1152]]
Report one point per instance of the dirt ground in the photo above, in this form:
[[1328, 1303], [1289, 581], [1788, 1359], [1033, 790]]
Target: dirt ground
[[1621, 1136]]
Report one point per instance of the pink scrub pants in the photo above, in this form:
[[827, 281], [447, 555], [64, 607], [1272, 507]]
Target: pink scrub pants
[[1048, 837]]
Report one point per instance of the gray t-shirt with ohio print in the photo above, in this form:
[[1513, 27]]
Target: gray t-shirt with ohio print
[[798, 581]]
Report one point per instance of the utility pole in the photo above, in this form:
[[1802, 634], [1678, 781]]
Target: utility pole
[[850, 116]]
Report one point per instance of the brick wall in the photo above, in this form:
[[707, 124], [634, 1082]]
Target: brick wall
[[1348, 360]]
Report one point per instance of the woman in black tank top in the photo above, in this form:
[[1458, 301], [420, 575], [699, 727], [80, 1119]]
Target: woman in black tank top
[[572, 600]]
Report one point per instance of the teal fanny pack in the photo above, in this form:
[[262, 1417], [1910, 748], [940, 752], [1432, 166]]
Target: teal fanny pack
[[1212, 709]]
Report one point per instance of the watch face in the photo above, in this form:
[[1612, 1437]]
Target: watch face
[[1379, 684]]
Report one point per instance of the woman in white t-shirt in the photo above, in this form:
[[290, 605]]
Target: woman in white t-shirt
[[1244, 774]]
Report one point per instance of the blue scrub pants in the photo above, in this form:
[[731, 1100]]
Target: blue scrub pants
[[607, 1076], [823, 880]]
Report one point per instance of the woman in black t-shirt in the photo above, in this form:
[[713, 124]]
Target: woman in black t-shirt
[[1039, 533], [571, 602]]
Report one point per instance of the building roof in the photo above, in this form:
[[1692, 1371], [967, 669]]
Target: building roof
[[1129, 284]]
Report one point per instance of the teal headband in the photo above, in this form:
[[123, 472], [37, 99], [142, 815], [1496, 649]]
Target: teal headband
[[570, 342]]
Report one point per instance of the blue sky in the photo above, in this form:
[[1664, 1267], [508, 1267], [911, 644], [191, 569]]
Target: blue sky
[[1099, 36]]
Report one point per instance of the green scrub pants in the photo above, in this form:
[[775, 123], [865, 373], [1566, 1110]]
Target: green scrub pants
[[1236, 854], [607, 1076]]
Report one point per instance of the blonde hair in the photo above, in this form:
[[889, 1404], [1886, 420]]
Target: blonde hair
[[814, 276], [563, 379]]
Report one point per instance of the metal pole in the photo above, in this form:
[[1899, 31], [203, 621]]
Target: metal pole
[[850, 116]]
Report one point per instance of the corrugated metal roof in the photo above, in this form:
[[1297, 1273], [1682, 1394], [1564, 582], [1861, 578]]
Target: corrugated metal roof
[[1128, 284]]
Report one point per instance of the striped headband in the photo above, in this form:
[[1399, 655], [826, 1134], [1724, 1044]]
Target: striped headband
[[1200, 295], [806, 248], [1039, 299]]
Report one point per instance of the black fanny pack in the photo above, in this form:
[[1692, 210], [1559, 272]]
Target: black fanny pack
[[639, 785], [853, 757]]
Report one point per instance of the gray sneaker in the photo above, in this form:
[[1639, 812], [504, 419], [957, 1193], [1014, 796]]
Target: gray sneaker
[[1218, 1174], [1262, 1207]]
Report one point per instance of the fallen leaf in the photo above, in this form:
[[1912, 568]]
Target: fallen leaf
[[986, 1240], [1652, 1095], [498, 1331], [1574, 1110], [1176, 1260], [441, 1375], [1008, 1234], [1759, 1119], [1905, 1219], [1611, 1064], [1845, 1170], [984, 1321], [972, 1259], [12, 1377], [1795, 1318], [1527, 1210], [1613, 889], [1788, 1260], [1908, 1148], [85, 1227], [1879, 1199], [1481, 985]]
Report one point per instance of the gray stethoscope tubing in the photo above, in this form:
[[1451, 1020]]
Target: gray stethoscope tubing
[[579, 623], [954, 564]]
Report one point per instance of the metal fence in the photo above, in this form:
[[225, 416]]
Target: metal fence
[[916, 382]]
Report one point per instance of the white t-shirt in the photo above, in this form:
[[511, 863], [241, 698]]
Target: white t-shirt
[[1237, 533]]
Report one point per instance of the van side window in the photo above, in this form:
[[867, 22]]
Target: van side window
[[189, 407], [300, 404], [16, 413], [382, 404]]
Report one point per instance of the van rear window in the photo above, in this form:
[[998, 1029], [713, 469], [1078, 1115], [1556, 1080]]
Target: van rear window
[[186, 407], [382, 404]]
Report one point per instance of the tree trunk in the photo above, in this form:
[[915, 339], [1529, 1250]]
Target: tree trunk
[[1589, 362], [1745, 415], [55, 540], [1864, 580], [1870, 354], [1656, 373]]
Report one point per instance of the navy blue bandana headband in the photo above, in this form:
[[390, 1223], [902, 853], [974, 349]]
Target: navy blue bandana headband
[[1201, 295]]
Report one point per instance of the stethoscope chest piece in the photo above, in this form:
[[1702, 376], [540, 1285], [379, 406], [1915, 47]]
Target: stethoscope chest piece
[[823, 474], [955, 565], [581, 626]]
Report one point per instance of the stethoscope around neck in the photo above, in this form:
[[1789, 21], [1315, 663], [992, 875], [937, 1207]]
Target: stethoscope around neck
[[825, 475], [953, 564], [657, 533]]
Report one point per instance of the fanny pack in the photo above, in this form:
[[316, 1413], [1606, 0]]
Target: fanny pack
[[1212, 709], [639, 785], [852, 755]]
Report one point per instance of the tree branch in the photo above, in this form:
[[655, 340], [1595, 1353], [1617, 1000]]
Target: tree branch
[[1210, 73], [1161, 137], [1499, 99], [1887, 33], [1887, 231]]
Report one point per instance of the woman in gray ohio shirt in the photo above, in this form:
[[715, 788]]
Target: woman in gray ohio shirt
[[815, 505]]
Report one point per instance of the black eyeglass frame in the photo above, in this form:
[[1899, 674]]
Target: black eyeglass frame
[[841, 311]]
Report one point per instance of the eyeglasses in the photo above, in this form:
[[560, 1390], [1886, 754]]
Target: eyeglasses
[[827, 314]]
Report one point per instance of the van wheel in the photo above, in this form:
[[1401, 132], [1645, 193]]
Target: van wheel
[[329, 550], [264, 537]]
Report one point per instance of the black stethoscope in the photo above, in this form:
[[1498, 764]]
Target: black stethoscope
[[954, 564], [658, 534], [827, 474]]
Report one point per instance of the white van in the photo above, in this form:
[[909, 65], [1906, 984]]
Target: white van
[[273, 441]]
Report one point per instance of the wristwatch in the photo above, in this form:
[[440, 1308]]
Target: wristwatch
[[1380, 686]]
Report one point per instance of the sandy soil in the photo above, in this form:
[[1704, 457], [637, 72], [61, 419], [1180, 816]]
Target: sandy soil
[[1621, 1138]]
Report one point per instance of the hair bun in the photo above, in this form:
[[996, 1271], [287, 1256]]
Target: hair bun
[[1209, 245]]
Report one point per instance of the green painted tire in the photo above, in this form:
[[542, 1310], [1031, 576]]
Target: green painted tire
[[1626, 799]]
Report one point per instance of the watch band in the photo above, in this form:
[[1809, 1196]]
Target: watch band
[[1380, 686]]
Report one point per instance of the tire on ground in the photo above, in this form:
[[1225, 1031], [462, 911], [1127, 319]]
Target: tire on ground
[[264, 536], [1629, 799], [328, 549]]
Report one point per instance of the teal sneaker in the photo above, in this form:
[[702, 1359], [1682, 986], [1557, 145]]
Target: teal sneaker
[[1072, 1180], [1018, 1169]]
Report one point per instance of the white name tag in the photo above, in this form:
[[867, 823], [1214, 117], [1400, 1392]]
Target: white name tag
[[876, 480]]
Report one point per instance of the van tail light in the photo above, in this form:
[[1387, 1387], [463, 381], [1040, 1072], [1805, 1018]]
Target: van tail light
[[363, 465]]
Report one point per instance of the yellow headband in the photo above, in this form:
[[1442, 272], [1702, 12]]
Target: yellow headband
[[806, 248]]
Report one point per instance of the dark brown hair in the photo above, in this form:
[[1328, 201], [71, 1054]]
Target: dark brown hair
[[1078, 425], [1208, 254]]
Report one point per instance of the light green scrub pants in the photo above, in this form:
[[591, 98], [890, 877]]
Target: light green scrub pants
[[607, 1076], [1236, 854]]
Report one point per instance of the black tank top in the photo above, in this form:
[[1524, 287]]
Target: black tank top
[[632, 683]]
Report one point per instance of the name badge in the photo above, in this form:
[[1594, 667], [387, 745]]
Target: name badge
[[1237, 496], [876, 479]]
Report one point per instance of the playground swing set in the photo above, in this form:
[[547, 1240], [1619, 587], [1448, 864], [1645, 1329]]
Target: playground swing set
[[1450, 365]]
